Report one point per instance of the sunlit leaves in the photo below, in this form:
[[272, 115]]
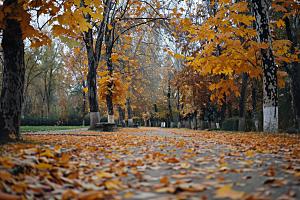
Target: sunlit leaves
[[61, 18]]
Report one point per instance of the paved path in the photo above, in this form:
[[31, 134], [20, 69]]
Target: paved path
[[197, 164]]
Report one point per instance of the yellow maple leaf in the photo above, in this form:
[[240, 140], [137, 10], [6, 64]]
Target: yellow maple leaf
[[47, 153], [227, 192]]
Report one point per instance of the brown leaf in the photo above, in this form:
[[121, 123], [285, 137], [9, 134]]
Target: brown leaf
[[284, 196], [257, 196], [246, 177], [5, 196], [168, 189], [91, 195], [165, 180]]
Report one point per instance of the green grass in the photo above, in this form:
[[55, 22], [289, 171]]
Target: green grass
[[28, 129]]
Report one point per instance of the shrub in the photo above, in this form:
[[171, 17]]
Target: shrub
[[38, 121], [250, 125], [233, 125], [292, 130], [230, 124], [205, 125], [72, 120]]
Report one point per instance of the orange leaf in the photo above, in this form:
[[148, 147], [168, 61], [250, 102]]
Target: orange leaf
[[250, 153], [43, 166], [69, 194], [7, 162], [227, 192], [297, 175], [128, 195], [47, 153], [165, 180], [185, 165]]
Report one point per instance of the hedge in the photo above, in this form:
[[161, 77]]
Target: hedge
[[233, 125], [38, 121]]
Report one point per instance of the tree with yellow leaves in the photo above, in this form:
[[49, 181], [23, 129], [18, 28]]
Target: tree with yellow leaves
[[26, 19]]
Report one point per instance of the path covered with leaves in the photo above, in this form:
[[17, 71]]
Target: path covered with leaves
[[151, 163]]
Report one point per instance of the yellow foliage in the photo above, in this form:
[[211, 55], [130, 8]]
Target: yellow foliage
[[117, 89]]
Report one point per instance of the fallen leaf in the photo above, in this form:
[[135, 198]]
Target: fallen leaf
[[185, 165], [5, 196], [165, 180], [7, 162], [257, 196], [227, 192], [69, 194], [44, 166], [169, 189], [91, 195], [297, 175], [284, 196], [128, 195]]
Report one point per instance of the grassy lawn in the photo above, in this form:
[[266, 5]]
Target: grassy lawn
[[27, 129]]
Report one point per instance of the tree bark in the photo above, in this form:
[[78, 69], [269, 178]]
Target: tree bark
[[129, 113], [83, 104], [178, 109], [242, 122], [171, 123], [270, 105], [122, 116], [202, 114], [48, 92], [93, 62], [294, 71], [109, 103], [254, 105], [195, 120], [91, 81], [13, 80]]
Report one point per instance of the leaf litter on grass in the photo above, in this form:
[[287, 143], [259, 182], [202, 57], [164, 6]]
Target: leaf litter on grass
[[151, 163]]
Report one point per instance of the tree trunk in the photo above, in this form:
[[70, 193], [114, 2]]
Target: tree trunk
[[93, 61], [189, 120], [254, 105], [110, 68], [270, 105], [129, 113], [83, 104], [13, 80], [202, 114], [24, 102], [122, 116], [91, 81], [171, 123], [242, 122], [48, 93], [293, 71], [195, 120], [178, 109]]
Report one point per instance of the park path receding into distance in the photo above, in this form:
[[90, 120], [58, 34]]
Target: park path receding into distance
[[160, 163]]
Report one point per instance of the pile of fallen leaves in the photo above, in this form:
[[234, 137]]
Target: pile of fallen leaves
[[151, 163]]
